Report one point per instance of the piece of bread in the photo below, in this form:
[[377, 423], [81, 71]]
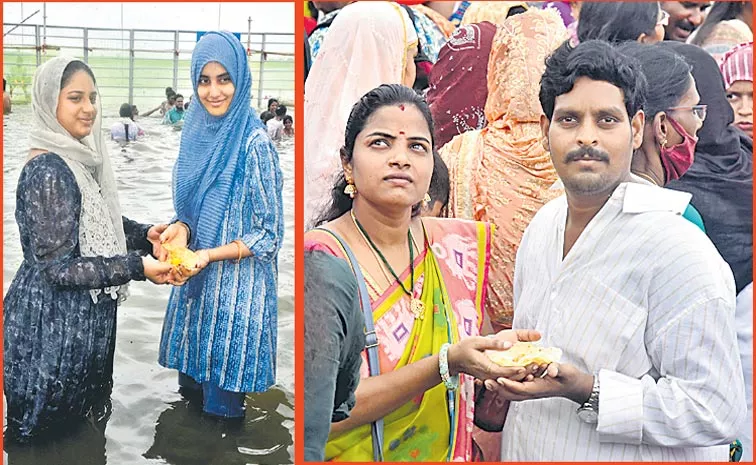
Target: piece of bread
[[523, 354], [181, 256]]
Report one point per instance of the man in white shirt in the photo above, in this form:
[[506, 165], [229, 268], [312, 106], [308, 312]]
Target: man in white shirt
[[126, 130], [637, 297]]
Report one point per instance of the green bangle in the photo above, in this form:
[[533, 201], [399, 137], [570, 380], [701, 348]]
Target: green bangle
[[451, 382]]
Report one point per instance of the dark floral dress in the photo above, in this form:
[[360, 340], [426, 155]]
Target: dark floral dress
[[58, 344]]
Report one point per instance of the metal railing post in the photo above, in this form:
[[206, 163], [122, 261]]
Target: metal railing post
[[175, 60], [89, 46], [131, 67], [86, 45], [37, 45], [260, 80]]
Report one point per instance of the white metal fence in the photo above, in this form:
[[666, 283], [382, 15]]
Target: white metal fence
[[136, 65]]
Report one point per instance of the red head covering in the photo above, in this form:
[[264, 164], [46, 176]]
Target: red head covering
[[458, 84], [737, 64]]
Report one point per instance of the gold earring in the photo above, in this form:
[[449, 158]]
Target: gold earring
[[350, 190], [426, 200], [664, 143]]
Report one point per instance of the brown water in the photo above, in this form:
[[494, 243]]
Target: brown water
[[150, 422]]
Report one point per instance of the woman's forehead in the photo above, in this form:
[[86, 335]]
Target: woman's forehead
[[213, 67], [402, 115]]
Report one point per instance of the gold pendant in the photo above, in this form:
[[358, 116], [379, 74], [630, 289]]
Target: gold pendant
[[418, 308]]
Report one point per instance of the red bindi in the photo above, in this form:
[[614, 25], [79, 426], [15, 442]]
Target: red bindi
[[401, 133], [401, 106]]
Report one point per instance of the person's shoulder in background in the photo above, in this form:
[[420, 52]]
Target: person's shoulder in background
[[333, 343]]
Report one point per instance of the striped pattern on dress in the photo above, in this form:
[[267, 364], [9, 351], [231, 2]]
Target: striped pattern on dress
[[644, 297], [227, 335]]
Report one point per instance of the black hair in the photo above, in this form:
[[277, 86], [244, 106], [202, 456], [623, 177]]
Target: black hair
[[271, 101], [516, 10], [281, 110], [313, 10], [288, 118], [5, 83], [382, 96], [169, 91], [720, 11], [439, 184], [178, 96], [267, 116], [667, 73], [596, 60], [126, 110], [71, 69], [617, 21]]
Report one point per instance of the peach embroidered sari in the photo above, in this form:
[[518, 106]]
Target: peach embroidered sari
[[502, 173]]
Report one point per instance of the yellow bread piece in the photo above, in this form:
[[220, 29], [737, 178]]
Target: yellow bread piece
[[523, 354], [181, 256]]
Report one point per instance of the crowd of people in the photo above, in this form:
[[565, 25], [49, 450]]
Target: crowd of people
[[80, 253], [576, 174], [173, 110], [279, 124]]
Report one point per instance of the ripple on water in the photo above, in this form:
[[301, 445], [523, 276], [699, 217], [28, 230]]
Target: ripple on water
[[150, 422]]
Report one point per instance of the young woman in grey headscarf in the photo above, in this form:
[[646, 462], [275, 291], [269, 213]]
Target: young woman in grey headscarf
[[79, 254]]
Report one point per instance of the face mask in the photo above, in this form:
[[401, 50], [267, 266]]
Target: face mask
[[677, 159]]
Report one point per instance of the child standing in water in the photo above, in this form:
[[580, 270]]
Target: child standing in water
[[288, 126], [220, 328]]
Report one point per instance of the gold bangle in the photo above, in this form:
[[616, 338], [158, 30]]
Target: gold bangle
[[238, 246]]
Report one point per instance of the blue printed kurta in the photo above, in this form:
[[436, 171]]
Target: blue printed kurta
[[227, 334]]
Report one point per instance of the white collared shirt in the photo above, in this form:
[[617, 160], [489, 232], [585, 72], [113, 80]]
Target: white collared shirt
[[644, 297], [275, 128]]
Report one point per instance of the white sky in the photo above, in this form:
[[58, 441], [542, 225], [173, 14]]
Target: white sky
[[266, 17]]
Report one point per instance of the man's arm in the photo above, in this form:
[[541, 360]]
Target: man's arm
[[694, 396]]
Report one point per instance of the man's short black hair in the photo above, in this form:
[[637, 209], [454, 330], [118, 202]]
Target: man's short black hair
[[596, 60], [281, 110], [179, 96], [267, 116]]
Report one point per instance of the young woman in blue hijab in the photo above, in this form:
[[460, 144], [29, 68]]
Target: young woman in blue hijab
[[220, 328]]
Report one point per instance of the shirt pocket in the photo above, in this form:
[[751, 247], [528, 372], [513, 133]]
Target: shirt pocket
[[596, 326]]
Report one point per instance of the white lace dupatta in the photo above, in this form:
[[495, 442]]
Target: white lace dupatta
[[100, 223]]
